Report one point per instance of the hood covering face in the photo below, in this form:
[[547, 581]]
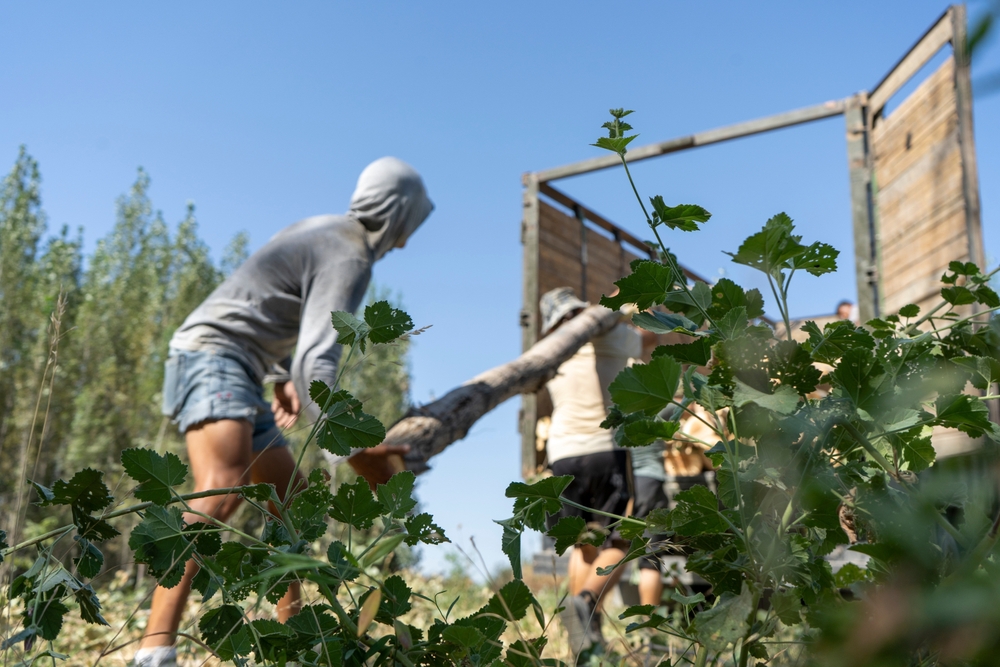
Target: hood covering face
[[391, 202]]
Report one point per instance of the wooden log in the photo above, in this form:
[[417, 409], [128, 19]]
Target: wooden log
[[430, 428]]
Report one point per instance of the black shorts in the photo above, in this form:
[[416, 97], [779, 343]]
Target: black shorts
[[599, 482], [650, 495]]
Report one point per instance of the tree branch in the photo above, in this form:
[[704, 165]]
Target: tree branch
[[430, 428]]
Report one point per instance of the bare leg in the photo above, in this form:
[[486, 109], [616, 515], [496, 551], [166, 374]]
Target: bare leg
[[597, 584], [581, 561], [219, 453], [275, 466], [650, 587]]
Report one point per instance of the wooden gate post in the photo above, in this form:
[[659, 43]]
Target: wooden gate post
[[529, 318], [859, 163]]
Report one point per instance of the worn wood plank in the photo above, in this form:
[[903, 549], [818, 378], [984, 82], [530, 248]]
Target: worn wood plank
[[921, 214], [929, 44], [970, 169], [863, 223], [554, 222], [925, 122], [593, 217], [744, 129], [529, 315]]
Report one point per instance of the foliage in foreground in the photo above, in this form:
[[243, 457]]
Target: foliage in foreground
[[357, 618], [806, 460]]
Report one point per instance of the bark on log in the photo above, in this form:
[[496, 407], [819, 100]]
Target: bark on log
[[430, 428]]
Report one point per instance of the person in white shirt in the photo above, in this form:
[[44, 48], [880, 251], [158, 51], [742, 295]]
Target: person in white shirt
[[578, 446]]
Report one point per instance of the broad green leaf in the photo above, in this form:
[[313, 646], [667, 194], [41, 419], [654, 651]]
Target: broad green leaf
[[733, 324], [95, 530], [686, 600], [48, 618], [792, 366], [697, 513], [698, 353], [910, 310], [967, 414], [224, 630], [465, 636], [859, 375], [313, 623], [573, 530], [343, 564], [692, 302], [817, 259], [421, 528], [90, 561], [350, 330], [395, 600], [958, 296], [396, 495], [160, 542], [85, 492], [260, 492], [727, 295], [770, 249], [900, 420], [241, 565], [726, 622], [510, 544], [637, 610], [662, 323], [271, 640], [646, 286], [156, 474], [775, 249], [985, 370], [206, 538], [684, 217], [647, 388], [788, 606], [309, 507], [615, 145], [784, 400], [386, 323], [536, 500], [345, 425], [355, 505], [527, 653], [512, 601], [642, 432], [90, 606], [836, 339], [848, 574]]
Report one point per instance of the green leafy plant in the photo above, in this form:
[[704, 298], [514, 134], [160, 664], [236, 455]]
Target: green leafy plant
[[356, 617], [806, 460]]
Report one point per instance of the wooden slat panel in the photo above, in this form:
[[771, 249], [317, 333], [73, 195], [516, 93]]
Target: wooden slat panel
[[558, 224], [918, 173], [925, 119]]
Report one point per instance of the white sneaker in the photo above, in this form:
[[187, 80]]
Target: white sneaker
[[157, 656]]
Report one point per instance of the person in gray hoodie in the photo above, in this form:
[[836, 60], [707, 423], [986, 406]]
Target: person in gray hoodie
[[270, 322]]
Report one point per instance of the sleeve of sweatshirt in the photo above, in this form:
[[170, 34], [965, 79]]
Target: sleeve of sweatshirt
[[337, 285]]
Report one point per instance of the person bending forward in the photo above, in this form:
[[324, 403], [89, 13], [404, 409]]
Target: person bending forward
[[278, 301]]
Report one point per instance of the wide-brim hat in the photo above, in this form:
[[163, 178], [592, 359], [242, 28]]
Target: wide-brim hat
[[556, 304]]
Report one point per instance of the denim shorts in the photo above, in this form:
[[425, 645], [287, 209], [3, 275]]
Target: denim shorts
[[208, 385]]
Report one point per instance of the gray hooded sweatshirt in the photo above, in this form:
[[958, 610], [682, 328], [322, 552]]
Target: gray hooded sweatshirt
[[281, 298]]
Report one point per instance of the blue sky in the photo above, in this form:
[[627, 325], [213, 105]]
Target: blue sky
[[264, 113]]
